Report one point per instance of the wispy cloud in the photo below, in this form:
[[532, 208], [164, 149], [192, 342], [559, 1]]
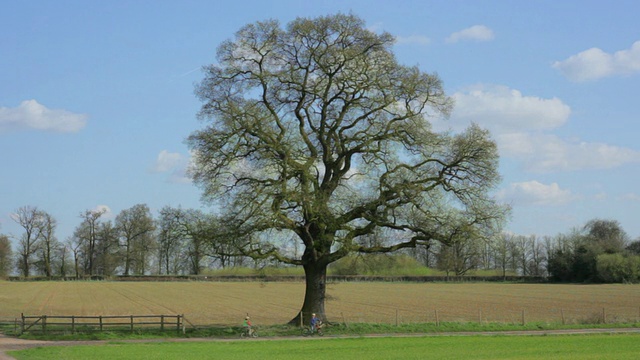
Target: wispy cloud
[[167, 161], [548, 153], [31, 115], [413, 39], [523, 125], [536, 193], [175, 164], [474, 33], [503, 109], [594, 64], [631, 197]]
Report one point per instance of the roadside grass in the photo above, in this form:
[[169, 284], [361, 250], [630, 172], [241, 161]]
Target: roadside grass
[[618, 346], [284, 331]]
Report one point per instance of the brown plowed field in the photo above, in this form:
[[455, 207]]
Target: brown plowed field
[[207, 303]]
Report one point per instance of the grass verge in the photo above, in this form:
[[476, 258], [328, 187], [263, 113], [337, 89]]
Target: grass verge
[[358, 329], [619, 346]]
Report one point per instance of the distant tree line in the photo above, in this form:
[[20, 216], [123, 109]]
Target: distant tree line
[[177, 241], [600, 251], [184, 241]]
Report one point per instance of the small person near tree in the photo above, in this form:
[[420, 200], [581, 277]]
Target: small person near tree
[[315, 322], [247, 325]]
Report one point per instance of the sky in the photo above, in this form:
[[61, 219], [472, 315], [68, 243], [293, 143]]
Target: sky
[[97, 98]]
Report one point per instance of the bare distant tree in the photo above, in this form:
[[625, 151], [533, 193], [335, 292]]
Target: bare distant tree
[[108, 254], [170, 241], [538, 258], [5, 255], [192, 232], [460, 255], [86, 238], [30, 219], [75, 244], [135, 227], [62, 255], [523, 245], [503, 253], [47, 244]]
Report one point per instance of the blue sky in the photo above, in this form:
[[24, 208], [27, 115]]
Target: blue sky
[[96, 98]]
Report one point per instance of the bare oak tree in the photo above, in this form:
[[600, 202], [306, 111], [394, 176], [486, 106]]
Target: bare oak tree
[[136, 228], [30, 218], [85, 239], [48, 243], [316, 130], [5, 255]]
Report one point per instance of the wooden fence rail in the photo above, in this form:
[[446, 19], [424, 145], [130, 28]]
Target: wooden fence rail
[[74, 323]]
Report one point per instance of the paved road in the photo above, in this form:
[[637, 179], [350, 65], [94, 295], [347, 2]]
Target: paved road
[[10, 343]]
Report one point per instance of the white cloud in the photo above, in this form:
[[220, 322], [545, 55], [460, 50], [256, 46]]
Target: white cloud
[[174, 163], [594, 64], [502, 109], [166, 161], [106, 210], [601, 196], [32, 115], [474, 33], [546, 153], [520, 125], [180, 176], [413, 39], [535, 193], [631, 197]]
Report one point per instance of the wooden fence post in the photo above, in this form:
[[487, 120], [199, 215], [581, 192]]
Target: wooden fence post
[[523, 320], [344, 321], [604, 315], [562, 315], [437, 319], [397, 317], [73, 323]]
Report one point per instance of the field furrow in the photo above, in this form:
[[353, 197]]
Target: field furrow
[[227, 303]]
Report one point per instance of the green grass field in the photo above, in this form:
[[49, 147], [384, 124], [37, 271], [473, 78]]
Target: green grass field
[[226, 303], [620, 346]]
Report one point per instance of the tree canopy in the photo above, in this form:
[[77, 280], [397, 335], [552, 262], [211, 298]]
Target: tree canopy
[[316, 130]]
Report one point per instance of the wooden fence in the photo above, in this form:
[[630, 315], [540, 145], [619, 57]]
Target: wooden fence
[[44, 323]]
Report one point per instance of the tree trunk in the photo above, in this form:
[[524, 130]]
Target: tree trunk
[[315, 293], [25, 265], [127, 258], [76, 263]]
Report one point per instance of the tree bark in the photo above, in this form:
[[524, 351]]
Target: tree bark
[[315, 293]]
